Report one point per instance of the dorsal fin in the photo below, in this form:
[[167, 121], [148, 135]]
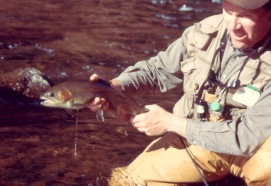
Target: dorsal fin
[[102, 81]]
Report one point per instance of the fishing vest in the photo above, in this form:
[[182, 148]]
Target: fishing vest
[[203, 40]]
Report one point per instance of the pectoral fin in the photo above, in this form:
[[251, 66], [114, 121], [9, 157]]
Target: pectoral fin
[[65, 95], [100, 115]]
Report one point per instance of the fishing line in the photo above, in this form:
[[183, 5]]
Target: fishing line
[[194, 162], [75, 138]]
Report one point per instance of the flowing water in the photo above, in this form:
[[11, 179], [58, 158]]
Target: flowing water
[[68, 39]]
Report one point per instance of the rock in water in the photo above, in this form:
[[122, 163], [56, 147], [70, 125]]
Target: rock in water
[[29, 82]]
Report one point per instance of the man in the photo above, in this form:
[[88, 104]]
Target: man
[[225, 111]]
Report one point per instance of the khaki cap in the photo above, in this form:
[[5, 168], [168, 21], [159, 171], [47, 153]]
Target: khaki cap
[[249, 4]]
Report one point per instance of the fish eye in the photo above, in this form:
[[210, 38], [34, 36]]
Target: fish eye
[[51, 94]]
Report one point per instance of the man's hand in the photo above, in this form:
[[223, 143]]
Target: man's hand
[[158, 121], [100, 103]]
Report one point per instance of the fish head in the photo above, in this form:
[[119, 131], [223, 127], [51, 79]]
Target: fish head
[[57, 97]]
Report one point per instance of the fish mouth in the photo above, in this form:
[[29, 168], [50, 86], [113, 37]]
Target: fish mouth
[[55, 103], [45, 101]]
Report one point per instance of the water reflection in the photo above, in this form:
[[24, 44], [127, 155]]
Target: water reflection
[[71, 40]]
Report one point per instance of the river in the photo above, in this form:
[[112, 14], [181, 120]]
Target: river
[[68, 39]]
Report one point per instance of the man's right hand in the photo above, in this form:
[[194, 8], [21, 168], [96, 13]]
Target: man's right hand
[[98, 102]]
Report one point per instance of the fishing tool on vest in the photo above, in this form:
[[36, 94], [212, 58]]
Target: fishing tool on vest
[[216, 108], [201, 108]]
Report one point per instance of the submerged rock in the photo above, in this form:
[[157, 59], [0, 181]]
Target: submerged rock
[[28, 82]]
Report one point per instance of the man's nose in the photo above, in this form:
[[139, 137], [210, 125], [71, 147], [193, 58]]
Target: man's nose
[[234, 23]]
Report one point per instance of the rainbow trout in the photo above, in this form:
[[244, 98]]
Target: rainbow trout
[[78, 95]]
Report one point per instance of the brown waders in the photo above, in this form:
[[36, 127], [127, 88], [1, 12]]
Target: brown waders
[[166, 162]]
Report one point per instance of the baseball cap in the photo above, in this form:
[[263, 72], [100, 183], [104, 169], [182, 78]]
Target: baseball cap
[[249, 4]]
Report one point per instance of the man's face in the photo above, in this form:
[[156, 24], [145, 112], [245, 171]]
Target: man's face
[[246, 27]]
